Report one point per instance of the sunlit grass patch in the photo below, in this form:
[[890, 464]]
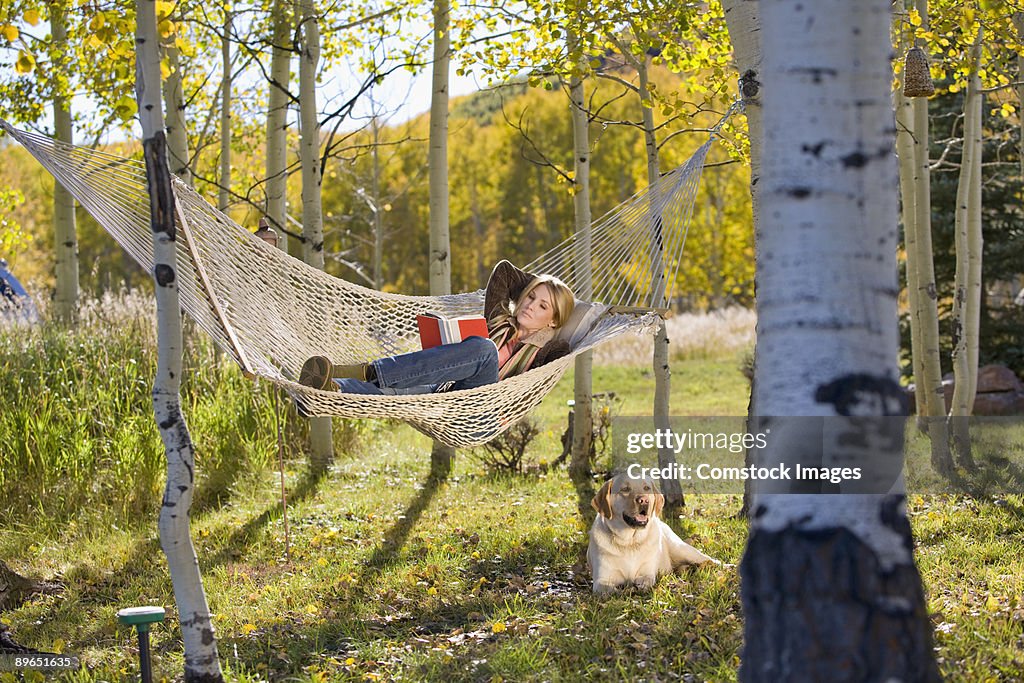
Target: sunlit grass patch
[[387, 575]]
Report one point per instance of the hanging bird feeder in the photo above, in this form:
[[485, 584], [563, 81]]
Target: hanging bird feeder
[[917, 77]]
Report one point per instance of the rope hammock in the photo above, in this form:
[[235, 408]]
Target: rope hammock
[[271, 311]]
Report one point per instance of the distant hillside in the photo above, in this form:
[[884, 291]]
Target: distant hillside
[[482, 105]]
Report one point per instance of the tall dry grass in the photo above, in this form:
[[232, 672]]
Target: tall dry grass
[[717, 335], [78, 431]]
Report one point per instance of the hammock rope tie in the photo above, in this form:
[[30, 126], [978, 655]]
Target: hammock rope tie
[[271, 312]]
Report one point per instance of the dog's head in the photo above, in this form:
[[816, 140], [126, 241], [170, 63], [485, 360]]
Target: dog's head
[[628, 501]]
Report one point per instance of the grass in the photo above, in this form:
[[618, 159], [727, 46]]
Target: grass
[[389, 576]]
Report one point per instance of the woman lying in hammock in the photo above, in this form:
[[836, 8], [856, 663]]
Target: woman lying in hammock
[[523, 314]]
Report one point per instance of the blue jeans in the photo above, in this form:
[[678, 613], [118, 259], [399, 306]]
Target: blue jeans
[[471, 363]]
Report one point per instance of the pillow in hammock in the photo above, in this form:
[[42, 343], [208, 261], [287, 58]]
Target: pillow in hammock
[[581, 321]]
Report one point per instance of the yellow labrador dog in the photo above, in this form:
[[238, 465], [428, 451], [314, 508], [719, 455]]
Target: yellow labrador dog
[[629, 545]]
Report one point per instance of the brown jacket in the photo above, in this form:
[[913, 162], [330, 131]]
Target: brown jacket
[[503, 288]]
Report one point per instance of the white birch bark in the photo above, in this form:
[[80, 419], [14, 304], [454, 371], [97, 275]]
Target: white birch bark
[[224, 191], [975, 239], [670, 488], [828, 344], [440, 246], [174, 101], [743, 21], [967, 289], [742, 18], [583, 411], [905, 157], [65, 233], [377, 209], [201, 660], [277, 122], [320, 438], [440, 262], [930, 384]]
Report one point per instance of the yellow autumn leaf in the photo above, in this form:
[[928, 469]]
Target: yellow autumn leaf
[[58, 646], [97, 22], [915, 18], [498, 627], [11, 33], [312, 609], [31, 17], [126, 108], [165, 69], [166, 28], [93, 41], [992, 604], [26, 63], [164, 8], [431, 591], [248, 628]]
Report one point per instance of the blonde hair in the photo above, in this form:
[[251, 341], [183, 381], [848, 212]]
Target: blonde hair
[[562, 299]]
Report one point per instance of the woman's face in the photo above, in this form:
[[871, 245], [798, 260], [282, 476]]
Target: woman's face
[[537, 310]]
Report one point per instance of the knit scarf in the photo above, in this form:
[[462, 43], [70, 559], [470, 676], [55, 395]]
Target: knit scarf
[[523, 356]]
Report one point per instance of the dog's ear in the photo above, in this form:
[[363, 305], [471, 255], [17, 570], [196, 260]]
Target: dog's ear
[[602, 500], [659, 504]]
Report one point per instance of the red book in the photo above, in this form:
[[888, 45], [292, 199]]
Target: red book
[[436, 329]]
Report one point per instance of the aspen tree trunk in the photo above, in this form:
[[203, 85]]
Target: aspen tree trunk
[[908, 216], [64, 229], [440, 262], [583, 409], [829, 586], [224, 193], [743, 21], [670, 488], [967, 290], [1018, 24], [975, 240], [201, 660], [930, 384], [905, 157], [742, 18], [378, 209], [320, 439], [174, 101], [277, 122]]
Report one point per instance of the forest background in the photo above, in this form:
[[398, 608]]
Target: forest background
[[510, 144], [510, 172]]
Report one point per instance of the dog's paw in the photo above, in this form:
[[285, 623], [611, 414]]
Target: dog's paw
[[605, 588], [645, 583]]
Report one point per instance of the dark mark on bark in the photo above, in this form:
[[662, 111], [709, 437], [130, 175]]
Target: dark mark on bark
[[164, 274], [855, 160], [815, 150], [883, 395], [749, 85]]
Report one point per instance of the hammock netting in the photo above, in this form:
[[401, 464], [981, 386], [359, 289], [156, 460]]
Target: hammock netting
[[271, 311]]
